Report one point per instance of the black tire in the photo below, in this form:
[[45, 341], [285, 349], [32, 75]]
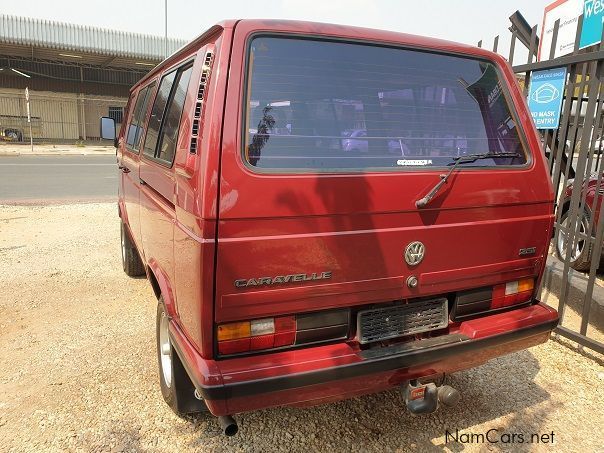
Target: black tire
[[131, 261], [583, 261], [179, 393]]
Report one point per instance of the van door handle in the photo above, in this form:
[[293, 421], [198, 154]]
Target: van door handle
[[125, 169]]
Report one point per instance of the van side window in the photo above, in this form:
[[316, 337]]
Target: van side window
[[133, 126], [157, 113], [169, 131], [162, 133], [137, 123]]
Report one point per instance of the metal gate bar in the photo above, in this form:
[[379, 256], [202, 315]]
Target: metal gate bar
[[574, 161]]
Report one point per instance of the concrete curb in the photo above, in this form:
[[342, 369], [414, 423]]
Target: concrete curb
[[8, 150], [553, 281]]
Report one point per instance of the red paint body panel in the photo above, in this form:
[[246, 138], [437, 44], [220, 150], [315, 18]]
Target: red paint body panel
[[209, 220]]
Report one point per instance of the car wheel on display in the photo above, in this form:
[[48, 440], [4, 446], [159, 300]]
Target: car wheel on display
[[581, 255], [12, 135], [176, 387], [131, 261]]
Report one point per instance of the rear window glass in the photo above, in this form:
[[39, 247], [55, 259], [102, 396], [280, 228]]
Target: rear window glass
[[333, 106]]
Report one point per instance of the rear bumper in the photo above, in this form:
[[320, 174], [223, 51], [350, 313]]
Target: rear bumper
[[326, 373]]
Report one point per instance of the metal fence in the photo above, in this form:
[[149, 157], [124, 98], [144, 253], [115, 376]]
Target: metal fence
[[574, 153], [55, 117]]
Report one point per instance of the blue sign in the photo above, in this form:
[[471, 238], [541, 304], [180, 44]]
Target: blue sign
[[593, 15], [545, 97]]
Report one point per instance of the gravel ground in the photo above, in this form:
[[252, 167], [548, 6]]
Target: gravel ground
[[78, 367]]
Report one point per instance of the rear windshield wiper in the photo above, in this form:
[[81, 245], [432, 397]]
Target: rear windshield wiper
[[459, 160]]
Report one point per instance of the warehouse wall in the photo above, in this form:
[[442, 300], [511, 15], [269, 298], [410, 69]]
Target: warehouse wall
[[64, 85], [56, 116]]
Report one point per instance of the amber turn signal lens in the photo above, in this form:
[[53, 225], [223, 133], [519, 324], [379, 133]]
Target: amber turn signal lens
[[526, 284], [234, 331]]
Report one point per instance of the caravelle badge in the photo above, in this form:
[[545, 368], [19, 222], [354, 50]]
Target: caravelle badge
[[282, 279], [414, 253]]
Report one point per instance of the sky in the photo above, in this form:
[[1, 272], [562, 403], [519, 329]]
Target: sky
[[465, 21]]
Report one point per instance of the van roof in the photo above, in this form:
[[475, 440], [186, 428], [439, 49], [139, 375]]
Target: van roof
[[333, 30], [222, 25]]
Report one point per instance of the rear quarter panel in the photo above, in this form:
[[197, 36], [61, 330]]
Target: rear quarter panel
[[196, 189]]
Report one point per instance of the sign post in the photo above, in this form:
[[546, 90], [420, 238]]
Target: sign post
[[31, 137], [545, 97]]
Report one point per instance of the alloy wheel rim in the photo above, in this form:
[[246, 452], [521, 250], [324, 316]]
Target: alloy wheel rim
[[123, 246], [562, 240], [164, 350]]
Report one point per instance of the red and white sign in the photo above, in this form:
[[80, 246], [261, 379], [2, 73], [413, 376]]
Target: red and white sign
[[568, 11]]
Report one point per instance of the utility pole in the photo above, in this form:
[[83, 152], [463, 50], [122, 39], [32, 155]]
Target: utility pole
[[166, 28], [31, 137]]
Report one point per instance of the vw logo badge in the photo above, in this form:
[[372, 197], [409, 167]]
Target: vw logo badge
[[414, 253]]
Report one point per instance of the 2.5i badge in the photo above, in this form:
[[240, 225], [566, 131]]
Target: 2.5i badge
[[527, 251]]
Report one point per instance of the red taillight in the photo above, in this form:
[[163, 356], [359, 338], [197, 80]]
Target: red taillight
[[262, 342], [257, 334], [285, 331], [512, 293], [234, 346]]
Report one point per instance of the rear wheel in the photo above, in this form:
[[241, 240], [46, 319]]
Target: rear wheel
[[131, 261], [176, 386], [580, 258]]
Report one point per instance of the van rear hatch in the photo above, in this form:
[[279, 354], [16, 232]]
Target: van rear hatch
[[335, 143]]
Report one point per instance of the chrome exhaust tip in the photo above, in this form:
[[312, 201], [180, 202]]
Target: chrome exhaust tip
[[228, 425]]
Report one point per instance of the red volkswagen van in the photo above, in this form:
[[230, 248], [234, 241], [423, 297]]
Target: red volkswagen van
[[327, 211]]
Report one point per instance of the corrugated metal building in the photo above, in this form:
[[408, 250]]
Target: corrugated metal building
[[75, 74]]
